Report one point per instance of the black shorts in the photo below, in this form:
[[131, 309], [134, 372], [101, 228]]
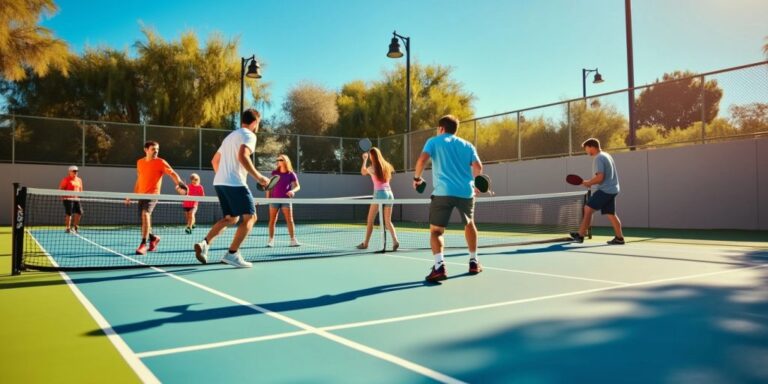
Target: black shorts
[[72, 207], [147, 205], [441, 207], [605, 202]]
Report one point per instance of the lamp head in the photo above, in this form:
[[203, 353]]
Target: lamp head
[[598, 78], [254, 70], [394, 49]]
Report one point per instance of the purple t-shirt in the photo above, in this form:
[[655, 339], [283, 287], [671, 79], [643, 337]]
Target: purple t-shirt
[[284, 185]]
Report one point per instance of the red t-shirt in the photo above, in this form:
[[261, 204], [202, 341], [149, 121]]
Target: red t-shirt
[[194, 190], [69, 183]]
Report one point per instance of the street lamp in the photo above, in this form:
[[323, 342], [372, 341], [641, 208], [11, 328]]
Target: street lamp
[[254, 72], [584, 73], [395, 53]]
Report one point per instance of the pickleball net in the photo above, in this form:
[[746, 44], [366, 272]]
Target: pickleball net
[[110, 228]]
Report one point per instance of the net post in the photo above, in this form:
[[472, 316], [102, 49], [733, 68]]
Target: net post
[[383, 228], [19, 204]]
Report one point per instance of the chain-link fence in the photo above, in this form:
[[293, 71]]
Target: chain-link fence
[[721, 105]]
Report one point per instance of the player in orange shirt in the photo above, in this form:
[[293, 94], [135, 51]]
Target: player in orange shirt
[[150, 170], [72, 209]]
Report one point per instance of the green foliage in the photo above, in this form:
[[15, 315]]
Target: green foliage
[[750, 118], [676, 101], [378, 109], [26, 47], [312, 110]]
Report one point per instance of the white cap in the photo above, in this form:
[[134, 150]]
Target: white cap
[[73, 168]]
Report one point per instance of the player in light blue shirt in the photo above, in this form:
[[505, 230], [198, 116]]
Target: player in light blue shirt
[[454, 166], [606, 177]]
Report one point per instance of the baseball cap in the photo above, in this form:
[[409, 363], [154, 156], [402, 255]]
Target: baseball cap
[[73, 168]]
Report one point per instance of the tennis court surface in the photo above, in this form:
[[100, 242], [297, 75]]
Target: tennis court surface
[[687, 307]]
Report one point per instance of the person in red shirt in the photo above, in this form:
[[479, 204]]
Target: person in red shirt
[[190, 206], [149, 171], [72, 209]]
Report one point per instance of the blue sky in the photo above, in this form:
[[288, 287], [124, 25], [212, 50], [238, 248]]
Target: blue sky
[[510, 54]]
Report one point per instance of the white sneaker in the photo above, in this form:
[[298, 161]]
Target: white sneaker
[[271, 243], [235, 260], [201, 252], [295, 243]]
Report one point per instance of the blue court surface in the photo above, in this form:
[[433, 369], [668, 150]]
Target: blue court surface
[[650, 311]]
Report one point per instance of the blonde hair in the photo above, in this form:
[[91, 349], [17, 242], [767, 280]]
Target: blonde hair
[[381, 167], [287, 161], [194, 176]]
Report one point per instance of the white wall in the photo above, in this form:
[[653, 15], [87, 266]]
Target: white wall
[[718, 185]]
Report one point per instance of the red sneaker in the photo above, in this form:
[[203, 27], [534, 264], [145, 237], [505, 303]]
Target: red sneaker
[[142, 249], [153, 243], [437, 274], [475, 267]]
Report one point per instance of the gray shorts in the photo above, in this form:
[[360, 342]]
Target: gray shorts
[[441, 207]]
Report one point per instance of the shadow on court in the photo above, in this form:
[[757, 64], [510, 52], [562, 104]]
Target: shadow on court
[[681, 333], [185, 313]]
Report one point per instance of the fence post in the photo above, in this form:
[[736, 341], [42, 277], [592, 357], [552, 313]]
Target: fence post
[[298, 153], [703, 112], [519, 139], [405, 152], [475, 141], [144, 132], [341, 155], [570, 129], [200, 149], [82, 160], [13, 139]]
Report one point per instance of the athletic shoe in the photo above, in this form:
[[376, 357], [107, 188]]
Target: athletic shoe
[[153, 243], [474, 267], [235, 260], [142, 249], [576, 237], [201, 252], [68, 230], [437, 274], [188, 230], [616, 241], [295, 243], [362, 246], [76, 229], [271, 243], [395, 246]]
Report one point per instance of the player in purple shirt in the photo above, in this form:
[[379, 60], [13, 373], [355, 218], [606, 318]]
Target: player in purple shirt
[[286, 188]]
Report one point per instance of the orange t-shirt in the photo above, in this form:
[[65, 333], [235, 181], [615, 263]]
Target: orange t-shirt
[[150, 175], [71, 184]]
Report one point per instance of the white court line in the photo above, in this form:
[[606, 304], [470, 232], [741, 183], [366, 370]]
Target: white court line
[[220, 344], [422, 370], [467, 309], [122, 347], [520, 271]]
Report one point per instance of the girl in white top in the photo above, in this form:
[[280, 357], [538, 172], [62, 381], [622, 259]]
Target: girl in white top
[[380, 172]]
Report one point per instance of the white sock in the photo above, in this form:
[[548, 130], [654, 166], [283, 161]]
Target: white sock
[[474, 256], [439, 260]]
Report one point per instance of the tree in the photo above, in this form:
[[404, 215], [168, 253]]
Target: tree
[[312, 110], [675, 102], [186, 85], [26, 46], [378, 109], [750, 118]]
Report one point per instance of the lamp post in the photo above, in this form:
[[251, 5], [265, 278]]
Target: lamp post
[[395, 53], [254, 72], [584, 73]]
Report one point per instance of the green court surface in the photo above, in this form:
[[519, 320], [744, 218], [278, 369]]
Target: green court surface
[[670, 306]]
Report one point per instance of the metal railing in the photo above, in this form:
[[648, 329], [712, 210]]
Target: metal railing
[[550, 130]]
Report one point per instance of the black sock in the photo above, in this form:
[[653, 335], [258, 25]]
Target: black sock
[[231, 251], [143, 241]]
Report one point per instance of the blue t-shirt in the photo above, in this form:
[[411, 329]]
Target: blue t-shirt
[[452, 159], [604, 164]]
